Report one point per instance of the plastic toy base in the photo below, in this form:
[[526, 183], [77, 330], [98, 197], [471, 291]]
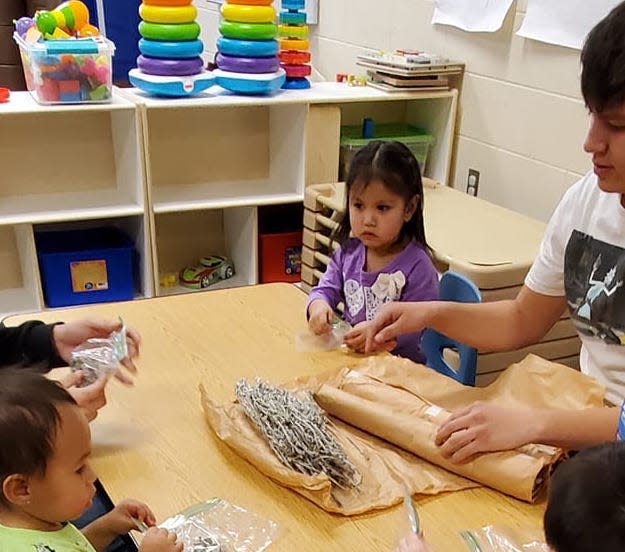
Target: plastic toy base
[[296, 84], [171, 86], [246, 83]]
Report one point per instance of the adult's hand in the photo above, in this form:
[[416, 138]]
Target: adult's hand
[[485, 427]]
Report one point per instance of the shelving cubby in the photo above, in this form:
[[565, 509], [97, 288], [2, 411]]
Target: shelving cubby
[[67, 165], [181, 239]]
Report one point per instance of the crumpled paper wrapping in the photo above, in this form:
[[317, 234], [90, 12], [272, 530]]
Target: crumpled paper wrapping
[[404, 403]]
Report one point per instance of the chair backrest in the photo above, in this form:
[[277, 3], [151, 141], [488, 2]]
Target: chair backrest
[[452, 287]]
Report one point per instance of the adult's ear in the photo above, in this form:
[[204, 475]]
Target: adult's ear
[[15, 489], [411, 207]]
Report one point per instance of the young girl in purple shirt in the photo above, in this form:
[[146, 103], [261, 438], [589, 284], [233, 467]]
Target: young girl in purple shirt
[[386, 258]]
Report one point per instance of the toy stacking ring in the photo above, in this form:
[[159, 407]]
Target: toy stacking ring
[[167, 2], [292, 18], [248, 14], [252, 2], [293, 31], [293, 4], [296, 70], [247, 48], [170, 67], [163, 49], [168, 14], [293, 44], [5, 94], [237, 64], [293, 57], [249, 31], [164, 31]]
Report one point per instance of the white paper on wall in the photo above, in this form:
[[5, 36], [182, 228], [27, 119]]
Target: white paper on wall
[[472, 15], [563, 22]]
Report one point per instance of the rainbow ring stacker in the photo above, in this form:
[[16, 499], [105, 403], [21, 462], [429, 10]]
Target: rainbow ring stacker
[[175, 49], [248, 31], [168, 14], [249, 83], [167, 32], [247, 48], [174, 87], [248, 14]]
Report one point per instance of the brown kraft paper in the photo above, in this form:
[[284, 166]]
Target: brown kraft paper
[[404, 403]]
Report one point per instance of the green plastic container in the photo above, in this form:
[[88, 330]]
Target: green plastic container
[[418, 141]]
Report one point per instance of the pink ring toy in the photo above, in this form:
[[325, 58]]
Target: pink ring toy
[[236, 64], [170, 67], [296, 70]]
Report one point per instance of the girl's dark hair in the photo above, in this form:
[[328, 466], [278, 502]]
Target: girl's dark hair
[[603, 62], [393, 164], [29, 419], [586, 507]]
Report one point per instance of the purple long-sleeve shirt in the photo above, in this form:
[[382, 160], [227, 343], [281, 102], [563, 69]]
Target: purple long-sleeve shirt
[[410, 276]]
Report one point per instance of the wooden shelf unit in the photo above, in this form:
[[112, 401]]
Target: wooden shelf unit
[[185, 176]]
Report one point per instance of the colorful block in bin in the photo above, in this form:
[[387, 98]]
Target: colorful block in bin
[[85, 62]]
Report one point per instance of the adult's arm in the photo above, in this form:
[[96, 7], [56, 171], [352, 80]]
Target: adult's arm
[[493, 326]]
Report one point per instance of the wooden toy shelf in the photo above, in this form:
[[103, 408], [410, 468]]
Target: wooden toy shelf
[[186, 177]]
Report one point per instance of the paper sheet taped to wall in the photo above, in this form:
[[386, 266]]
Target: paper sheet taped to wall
[[563, 22], [472, 15]]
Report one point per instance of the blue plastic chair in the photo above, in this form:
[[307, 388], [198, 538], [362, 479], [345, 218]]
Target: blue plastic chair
[[452, 287]]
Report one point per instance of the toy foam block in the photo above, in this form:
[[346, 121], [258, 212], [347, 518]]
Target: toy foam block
[[69, 87]]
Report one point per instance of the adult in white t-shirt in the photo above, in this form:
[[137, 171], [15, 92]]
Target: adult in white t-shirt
[[580, 266]]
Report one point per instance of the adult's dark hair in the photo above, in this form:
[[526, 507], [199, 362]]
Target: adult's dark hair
[[603, 62], [393, 164], [586, 508], [29, 419]]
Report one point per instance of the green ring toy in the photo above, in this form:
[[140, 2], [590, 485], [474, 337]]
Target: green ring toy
[[248, 31], [164, 31]]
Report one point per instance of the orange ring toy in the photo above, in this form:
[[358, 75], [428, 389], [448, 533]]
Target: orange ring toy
[[293, 57]]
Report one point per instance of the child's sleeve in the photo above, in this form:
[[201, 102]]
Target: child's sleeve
[[422, 281], [29, 344], [330, 286]]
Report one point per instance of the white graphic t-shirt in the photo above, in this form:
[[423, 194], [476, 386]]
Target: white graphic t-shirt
[[582, 256]]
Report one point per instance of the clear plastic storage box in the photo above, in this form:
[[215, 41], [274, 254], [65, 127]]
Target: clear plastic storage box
[[68, 71], [418, 141]]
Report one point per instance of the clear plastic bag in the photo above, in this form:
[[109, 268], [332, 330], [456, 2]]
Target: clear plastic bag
[[99, 356], [218, 526], [307, 342], [497, 538]]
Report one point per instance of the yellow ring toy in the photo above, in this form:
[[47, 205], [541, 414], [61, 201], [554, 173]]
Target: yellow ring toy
[[167, 14], [252, 2], [293, 44], [248, 14], [293, 31], [167, 2]]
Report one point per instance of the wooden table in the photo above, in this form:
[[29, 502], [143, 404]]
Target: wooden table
[[152, 443]]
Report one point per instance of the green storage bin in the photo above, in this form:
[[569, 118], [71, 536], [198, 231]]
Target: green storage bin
[[418, 141]]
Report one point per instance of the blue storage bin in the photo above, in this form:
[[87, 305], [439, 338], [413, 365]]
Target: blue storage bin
[[85, 266]]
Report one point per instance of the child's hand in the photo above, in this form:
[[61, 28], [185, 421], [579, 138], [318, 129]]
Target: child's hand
[[319, 316], [412, 543], [120, 518], [160, 540], [356, 338]]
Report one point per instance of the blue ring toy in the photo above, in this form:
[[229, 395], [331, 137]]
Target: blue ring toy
[[293, 4], [242, 83], [171, 49], [247, 48], [293, 18], [296, 84]]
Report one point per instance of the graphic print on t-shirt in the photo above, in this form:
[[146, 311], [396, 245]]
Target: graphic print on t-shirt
[[594, 278]]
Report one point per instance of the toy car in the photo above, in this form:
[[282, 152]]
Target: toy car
[[210, 270]]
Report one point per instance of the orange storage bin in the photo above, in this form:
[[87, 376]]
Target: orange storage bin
[[280, 257]]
